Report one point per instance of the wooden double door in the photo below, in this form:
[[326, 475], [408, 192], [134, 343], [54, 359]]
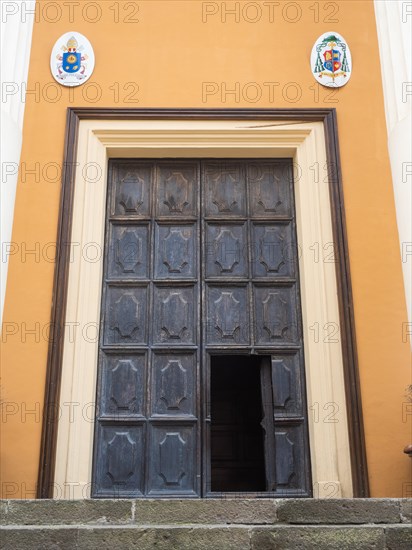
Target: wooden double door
[[201, 387]]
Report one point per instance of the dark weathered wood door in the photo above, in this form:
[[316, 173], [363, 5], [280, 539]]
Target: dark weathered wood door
[[200, 261]]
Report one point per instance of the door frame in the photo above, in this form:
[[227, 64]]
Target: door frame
[[267, 131]]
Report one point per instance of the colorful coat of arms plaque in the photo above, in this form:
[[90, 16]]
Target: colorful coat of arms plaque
[[331, 60], [72, 59]]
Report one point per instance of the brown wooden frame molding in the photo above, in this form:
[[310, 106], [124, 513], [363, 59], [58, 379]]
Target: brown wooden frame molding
[[55, 354]]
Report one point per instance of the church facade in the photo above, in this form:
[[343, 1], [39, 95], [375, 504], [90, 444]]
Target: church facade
[[207, 251]]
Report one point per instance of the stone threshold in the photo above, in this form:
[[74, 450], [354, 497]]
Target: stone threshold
[[206, 511]]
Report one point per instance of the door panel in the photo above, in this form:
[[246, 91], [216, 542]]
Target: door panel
[[273, 253], [172, 463], [177, 253], [226, 250], [176, 189], [252, 306], [173, 384], [174, 315], [128, 253], [123, 376], [224, 189], [200, 260], [286, 390], [271, 192], [225, 314], [290, 460], [276, 322], [150, 337], [130, 193], [120, 468], [125, 321]]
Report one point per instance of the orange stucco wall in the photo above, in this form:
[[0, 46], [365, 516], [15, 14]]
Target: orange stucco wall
[[168, 55]]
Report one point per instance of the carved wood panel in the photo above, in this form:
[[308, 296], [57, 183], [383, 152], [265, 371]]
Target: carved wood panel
[[125, 322], [123, 376], [174, 310], [275, 315], [172, 469], [128, 252], [292, 462], [226, 307], [174, 384], [176, 189], [225, 189], [226, 250], [120, 468], [287, 389], [177, 251], [271, 188], [130, 192], [273, 252]]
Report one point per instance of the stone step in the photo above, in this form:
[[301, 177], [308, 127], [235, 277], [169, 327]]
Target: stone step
[[197, 524], [207, 537], [205, 511]]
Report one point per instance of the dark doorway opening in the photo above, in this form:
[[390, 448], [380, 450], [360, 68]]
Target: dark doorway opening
[[237, 438]]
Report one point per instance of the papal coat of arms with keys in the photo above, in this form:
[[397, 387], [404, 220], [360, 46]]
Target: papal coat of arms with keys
[[72, 59]]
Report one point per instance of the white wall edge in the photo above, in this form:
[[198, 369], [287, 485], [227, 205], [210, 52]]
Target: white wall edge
[[16, 25], [394, 27]]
